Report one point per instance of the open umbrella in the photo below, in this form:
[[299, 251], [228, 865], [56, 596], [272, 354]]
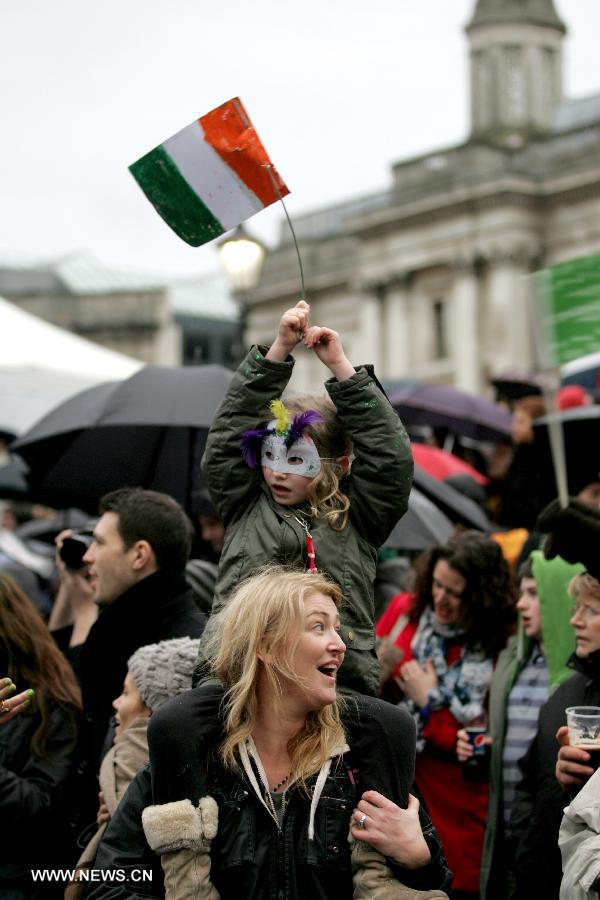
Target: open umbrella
[[422, 526], [456, 506], [581, 429], [13, 480], [440, 406], [514, 384], [147, 431], [442, 465]]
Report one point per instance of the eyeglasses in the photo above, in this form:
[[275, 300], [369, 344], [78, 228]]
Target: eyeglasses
[[582, 609]]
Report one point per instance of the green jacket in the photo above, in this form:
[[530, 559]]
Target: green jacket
[[260, 531], [552, 578]]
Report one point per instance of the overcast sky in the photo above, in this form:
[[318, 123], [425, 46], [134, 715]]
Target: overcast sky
[[337, 90]]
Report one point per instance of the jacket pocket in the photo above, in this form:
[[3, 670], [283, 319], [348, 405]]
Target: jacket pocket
[[236, 839], [330, 846], [358, 637]]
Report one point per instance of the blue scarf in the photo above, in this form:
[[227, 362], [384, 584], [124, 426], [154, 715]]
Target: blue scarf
[[462, 687]]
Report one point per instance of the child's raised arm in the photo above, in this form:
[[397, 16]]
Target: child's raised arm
[[327, 344], [292, 327]]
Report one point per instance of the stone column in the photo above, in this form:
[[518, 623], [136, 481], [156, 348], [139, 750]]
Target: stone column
[[465, 327], [368, 339], [507, 326], [396, 324]]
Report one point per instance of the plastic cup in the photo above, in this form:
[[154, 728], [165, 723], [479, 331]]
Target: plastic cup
[[583, 723]]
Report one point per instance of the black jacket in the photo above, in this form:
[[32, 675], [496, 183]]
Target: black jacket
[[539, 801], [158, 608], [250, 857], [33, 793]]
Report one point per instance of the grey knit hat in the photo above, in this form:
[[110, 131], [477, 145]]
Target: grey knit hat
[[163, 670]]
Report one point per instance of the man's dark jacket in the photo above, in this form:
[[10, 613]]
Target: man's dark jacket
[[537, 809], [158, 608]]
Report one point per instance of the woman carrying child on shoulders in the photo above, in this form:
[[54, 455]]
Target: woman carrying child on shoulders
[[281, 480]]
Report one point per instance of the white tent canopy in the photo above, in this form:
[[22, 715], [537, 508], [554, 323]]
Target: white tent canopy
[[41, 365]]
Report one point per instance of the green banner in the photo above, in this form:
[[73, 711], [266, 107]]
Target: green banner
[[567, 310]]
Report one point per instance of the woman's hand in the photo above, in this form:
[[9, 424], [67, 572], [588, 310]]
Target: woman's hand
[[12, 704], [573, 763], [292, 328], [393, 831], [464, 748], [416, 682], [327, 344]]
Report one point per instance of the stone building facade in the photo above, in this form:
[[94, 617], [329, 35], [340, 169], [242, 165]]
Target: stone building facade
[[118, 310], [185, 322], [428, 278]]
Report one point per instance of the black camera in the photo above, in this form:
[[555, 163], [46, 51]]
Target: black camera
[[74, 548]]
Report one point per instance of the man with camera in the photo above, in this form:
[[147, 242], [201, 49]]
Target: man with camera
[[135, 573]]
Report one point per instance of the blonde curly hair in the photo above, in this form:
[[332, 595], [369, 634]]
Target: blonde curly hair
[[325, 496]]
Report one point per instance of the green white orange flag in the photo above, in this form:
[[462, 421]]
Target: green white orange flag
[[210, 176]]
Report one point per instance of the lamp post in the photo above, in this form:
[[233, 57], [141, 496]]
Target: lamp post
[[242, 257]]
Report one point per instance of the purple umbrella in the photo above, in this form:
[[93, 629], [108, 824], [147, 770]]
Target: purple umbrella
[[440, 406]]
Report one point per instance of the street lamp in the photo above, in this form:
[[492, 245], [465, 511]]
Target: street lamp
[[242, 257]]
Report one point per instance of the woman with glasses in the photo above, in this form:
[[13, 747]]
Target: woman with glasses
[[552, 777]]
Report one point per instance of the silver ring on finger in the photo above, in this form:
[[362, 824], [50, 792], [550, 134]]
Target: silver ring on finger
[[362, 820]]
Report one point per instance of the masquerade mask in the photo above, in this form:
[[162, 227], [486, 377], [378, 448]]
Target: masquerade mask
[[301, 458], [283, 446]]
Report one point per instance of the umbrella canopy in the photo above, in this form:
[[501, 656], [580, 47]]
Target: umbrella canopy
[[456, 506], [422, 526], [514, 384], [442, 465], [581, 429], [147, 431], [584, 371], [440, 406], [13, 480]]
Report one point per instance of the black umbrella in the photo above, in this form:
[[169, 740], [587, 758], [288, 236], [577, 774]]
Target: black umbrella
[[581, 429], [147, 431], [514, 384], [456, 506], [13, 480], [440, 406], [422, 526]]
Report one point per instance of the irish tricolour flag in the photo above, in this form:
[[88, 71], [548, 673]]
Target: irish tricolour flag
[[210, 176]]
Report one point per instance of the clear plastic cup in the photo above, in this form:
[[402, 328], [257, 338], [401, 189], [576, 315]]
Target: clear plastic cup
[[583, 723]]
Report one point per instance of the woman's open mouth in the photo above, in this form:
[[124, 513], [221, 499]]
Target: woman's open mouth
[[330, 671]]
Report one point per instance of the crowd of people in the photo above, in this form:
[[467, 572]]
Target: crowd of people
[[243, 724]]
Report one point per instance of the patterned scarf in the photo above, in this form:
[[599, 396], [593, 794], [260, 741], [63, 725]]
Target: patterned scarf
[[462, 686]]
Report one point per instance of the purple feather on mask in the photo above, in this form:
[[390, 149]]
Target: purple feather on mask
[[250, 444], [299, 423]]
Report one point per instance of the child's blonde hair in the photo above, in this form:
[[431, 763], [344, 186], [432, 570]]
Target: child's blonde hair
[[326, 498], [266, 612]]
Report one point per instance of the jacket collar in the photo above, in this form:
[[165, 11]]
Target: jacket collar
[[590, 666], [145, 596]]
